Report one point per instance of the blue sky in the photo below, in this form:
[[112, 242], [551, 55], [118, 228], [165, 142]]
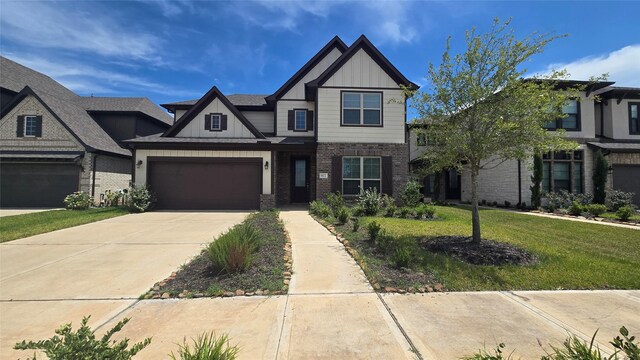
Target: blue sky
[[176, 50]]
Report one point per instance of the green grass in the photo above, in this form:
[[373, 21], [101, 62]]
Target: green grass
[[573, 255], [612, 215], [20, 226]]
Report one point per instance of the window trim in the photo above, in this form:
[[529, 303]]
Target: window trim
[[362, 108], [558, 121], [295, 122], [550, 159], [26, 120], [219, 116], [637, 118], [361, 178]]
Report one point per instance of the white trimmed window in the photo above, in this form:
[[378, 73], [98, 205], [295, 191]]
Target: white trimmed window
[[30, 125], [300, 120], [360, 173], [361, 108], [216, 122]]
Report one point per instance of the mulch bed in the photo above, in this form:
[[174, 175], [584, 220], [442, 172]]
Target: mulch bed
[[487, 252], [268, 274]]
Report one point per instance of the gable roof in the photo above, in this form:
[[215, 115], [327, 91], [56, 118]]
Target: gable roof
[[335, 43], [211, 95], [363, 43], [15, 77], [74, 118], [125, 104]]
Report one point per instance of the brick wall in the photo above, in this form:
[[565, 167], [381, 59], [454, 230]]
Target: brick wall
[[398, 152], [112, 173], [283, 176], [267, 201]]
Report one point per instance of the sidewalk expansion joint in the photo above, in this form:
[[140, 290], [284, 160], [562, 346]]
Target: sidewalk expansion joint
[[414, 349], [116, 315], [284, 320]]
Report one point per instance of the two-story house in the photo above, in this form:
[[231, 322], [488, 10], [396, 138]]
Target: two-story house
[[609, 125], [54, 142], [338, 124]]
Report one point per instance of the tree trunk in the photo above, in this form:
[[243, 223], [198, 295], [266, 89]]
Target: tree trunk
[[475, 213]]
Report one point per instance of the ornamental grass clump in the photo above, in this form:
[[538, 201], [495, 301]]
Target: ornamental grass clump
[[234, 250], [207, 347]]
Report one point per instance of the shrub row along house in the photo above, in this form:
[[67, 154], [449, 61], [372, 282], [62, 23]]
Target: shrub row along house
[[338, 124], [610, 124], [54, 142]]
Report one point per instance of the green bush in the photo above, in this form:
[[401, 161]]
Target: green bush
[[139, 199], [357, 211], [384, 242], [411, 195], [424, 211], [624, 213], [343, 215], [596, 209], [405, 212], [113, 198], [388, 201], [320, 209], [390, 211], [356, 223], [401, 255], [234, 250], [373, 228], [78, 200], [575, 209], [336, 202], [207, 347], [82, 344], [563, 200], [484, 355], [371, 201], [617, 199]]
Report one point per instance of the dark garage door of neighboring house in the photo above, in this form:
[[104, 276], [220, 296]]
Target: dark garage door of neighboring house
[[206, 184], [627, 178], [37, 185]]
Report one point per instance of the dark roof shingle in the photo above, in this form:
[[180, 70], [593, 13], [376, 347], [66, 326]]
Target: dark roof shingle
[[139, 104]]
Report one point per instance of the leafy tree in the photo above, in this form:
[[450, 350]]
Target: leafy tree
[[600, 178], [480, 112], [536, 178]]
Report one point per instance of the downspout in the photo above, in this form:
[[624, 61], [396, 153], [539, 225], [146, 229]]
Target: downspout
[[519, 183], [93, 181], [601, 119]]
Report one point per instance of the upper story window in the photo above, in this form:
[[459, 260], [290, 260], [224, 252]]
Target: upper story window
[[571, 121], [634, 118], [361, 108], [30, 125], [300, 120], [216, 122], [421, 140]]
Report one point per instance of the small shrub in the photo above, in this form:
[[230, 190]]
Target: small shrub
[[79, 200], [483, 202], [485, 355], [424, 211], [411, 195], [82, 344], [343, 215], [207, 347], [523, 205], [357, 211], [405, 212], [388, 201], [575, 209], [139, 199], [494, 204], [320, 209], [563, 199], [617, 199], [507, 204], [233, 251], [356, 223], [384, 242], [624, 213], [336, 202], [626, 344], [401, 256], [373, 228], [390, 211], [371, 201], [596, 209], [113, 198]]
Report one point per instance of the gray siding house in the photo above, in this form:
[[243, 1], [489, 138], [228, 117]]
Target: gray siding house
[[338, 124], [54, 142]]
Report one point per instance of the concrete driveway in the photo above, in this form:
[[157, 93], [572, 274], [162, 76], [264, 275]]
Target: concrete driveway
[[99, 269]]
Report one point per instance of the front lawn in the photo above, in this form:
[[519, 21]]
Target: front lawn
[[571, 255], [21, 226]]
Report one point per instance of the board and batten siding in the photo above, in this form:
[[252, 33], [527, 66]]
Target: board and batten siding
[[235, 128], [262, 120], [144, 154], [330, 130], [297, 91], [282, 109], [361, 71]]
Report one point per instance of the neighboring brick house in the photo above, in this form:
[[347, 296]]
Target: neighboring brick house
[[338, 124], [610, 125], [54, 142]]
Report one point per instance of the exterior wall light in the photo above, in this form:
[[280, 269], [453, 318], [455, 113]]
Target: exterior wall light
[[266, 165]]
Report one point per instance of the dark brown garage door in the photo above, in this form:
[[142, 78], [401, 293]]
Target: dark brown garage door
[[37, 185], [627, 178], [206, 184]]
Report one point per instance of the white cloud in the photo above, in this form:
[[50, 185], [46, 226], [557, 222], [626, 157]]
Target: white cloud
[[61, 26], [396, 26], [171, 8], [623, 66]]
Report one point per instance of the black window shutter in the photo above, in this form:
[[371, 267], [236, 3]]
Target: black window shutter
[[387, 175], [292, 120], [309, 120], [223, 122], [20, 128], [336, 173], [38, 126], [207, 122]]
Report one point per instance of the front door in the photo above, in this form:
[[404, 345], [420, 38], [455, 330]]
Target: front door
[[300, 179], [453, 185]]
